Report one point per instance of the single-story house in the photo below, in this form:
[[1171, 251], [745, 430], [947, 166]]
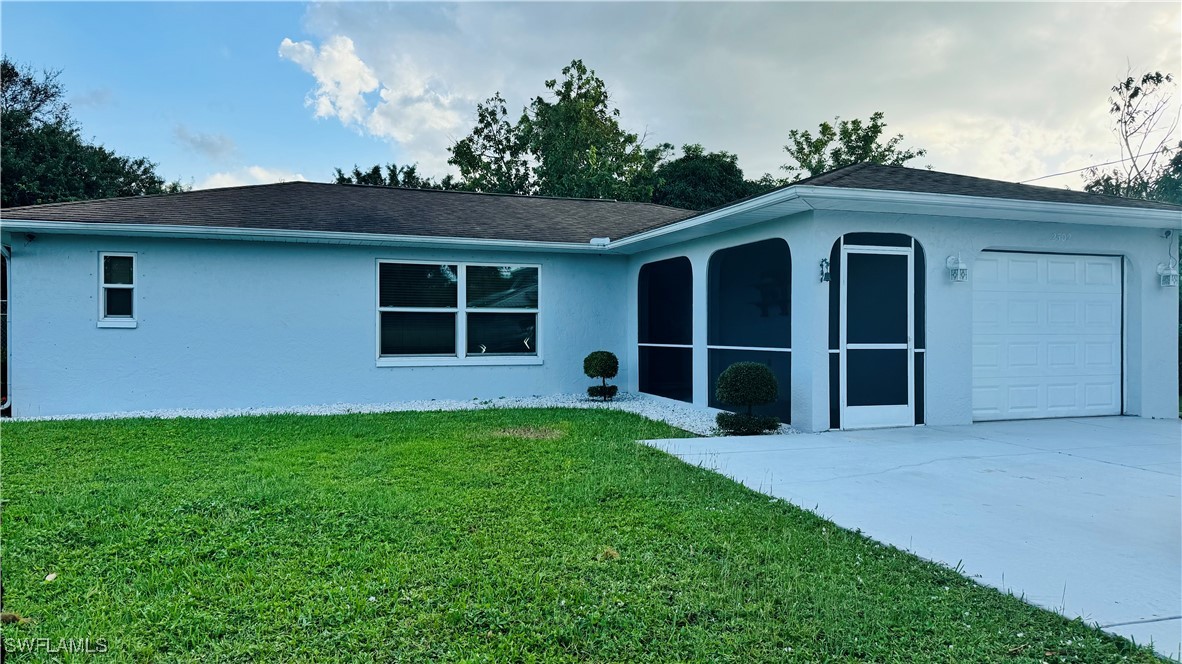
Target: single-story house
[[878, 295]]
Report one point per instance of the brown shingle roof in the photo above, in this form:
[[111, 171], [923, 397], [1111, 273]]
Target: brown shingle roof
[[901, 178], [312, 206]]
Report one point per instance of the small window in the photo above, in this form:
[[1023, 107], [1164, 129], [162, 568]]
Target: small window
[[117, 290], [457, 311]]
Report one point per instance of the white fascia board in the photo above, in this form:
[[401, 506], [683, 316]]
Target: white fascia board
[[271, 235], [952, 205], [778, 203]]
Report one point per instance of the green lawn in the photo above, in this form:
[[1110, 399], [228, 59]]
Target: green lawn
[[513, 535]]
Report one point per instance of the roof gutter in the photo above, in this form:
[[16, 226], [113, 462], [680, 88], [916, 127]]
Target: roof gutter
[[282, 235]]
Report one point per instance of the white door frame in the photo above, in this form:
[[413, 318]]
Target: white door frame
[[866, 417]]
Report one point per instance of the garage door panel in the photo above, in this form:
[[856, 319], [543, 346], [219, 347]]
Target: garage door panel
[[1046, 336]]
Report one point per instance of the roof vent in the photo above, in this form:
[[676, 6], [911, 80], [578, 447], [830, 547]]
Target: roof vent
[[600, 241]]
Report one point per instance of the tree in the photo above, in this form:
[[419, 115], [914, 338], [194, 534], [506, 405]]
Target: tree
[[392, 175], [849, 142], [568, 143], [43, 157], [495, 156], [700, 180], [578, 146], [1144, 119]]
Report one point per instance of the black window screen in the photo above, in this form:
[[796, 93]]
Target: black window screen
[[750, 296], [418, 333], [667, 372], [415, 285], [876, 298], [876, 377], [666, 302]]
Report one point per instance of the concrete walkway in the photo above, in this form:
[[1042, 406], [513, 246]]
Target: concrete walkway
[[1081, 516]]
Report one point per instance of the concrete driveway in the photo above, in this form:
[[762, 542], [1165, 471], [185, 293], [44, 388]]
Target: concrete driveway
[[1082, 516]]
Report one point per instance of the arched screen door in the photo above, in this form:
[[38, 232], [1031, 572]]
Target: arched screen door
[[877, 309]]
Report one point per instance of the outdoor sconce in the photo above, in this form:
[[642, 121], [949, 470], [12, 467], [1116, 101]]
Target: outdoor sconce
[[957, 270], [1168, 272], [824, 270], [1168, 275]]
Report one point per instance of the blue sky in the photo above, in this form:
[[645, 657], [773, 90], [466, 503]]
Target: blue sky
[[198, 88], [228, 93]]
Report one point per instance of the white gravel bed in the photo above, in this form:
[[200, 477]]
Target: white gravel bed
[[694, 419]]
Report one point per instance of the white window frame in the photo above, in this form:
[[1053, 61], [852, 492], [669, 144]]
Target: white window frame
[[461, 311], [103, 286]]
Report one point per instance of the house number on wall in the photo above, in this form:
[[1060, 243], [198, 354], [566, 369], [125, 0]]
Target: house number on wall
[[1060, 237]]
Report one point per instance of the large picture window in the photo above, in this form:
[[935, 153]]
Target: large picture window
[[457, 310]]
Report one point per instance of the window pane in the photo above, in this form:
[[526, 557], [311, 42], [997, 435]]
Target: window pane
[[406, 333], [410, 285], [876, 377], [750, 301], [118, 304], [502, 334], [491, 287], [666, 300], [876, 298], [117, 269]]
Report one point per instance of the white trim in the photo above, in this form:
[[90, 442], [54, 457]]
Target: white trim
[[117, 321], [877, 346], [665, 345], [6, 254], [863, 417], [285, 235], [460, 313], [453, 361], [755, 348]]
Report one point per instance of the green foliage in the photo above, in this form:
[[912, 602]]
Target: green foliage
[[1144, 118], [44, 157], [601, 364], [393, 175], [849, 142], [744, 424], [494, 158], [604, 392], [568, 143], [463, 536], [746, 384], [698, 180], [579, 148]]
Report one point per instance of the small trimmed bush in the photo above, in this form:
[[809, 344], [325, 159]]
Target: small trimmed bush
[[746, 385], [601, 364]]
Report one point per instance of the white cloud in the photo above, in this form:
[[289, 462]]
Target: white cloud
[[1012, 91], [248, 175], [212, 146], [411, 107]]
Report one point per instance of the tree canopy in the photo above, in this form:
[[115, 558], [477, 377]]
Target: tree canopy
[[1144, 120], [700, 180], [44, 158], [392, 175], [844, 143]]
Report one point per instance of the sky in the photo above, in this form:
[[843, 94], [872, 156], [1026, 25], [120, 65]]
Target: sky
[[222, 94]]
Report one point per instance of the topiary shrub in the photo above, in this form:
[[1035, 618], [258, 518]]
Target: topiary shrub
[[746, 385], [601, 364]]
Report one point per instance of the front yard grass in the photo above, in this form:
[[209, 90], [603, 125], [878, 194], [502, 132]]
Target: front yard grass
[[501, 535]]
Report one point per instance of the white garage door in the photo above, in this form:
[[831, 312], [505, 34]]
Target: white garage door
[[1046, 336]]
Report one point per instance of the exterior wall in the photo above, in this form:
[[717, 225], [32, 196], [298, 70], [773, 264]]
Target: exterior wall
[[1151, 312], [267, 324]]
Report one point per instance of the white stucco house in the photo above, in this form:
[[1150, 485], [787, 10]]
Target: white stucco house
[[879, 296]]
